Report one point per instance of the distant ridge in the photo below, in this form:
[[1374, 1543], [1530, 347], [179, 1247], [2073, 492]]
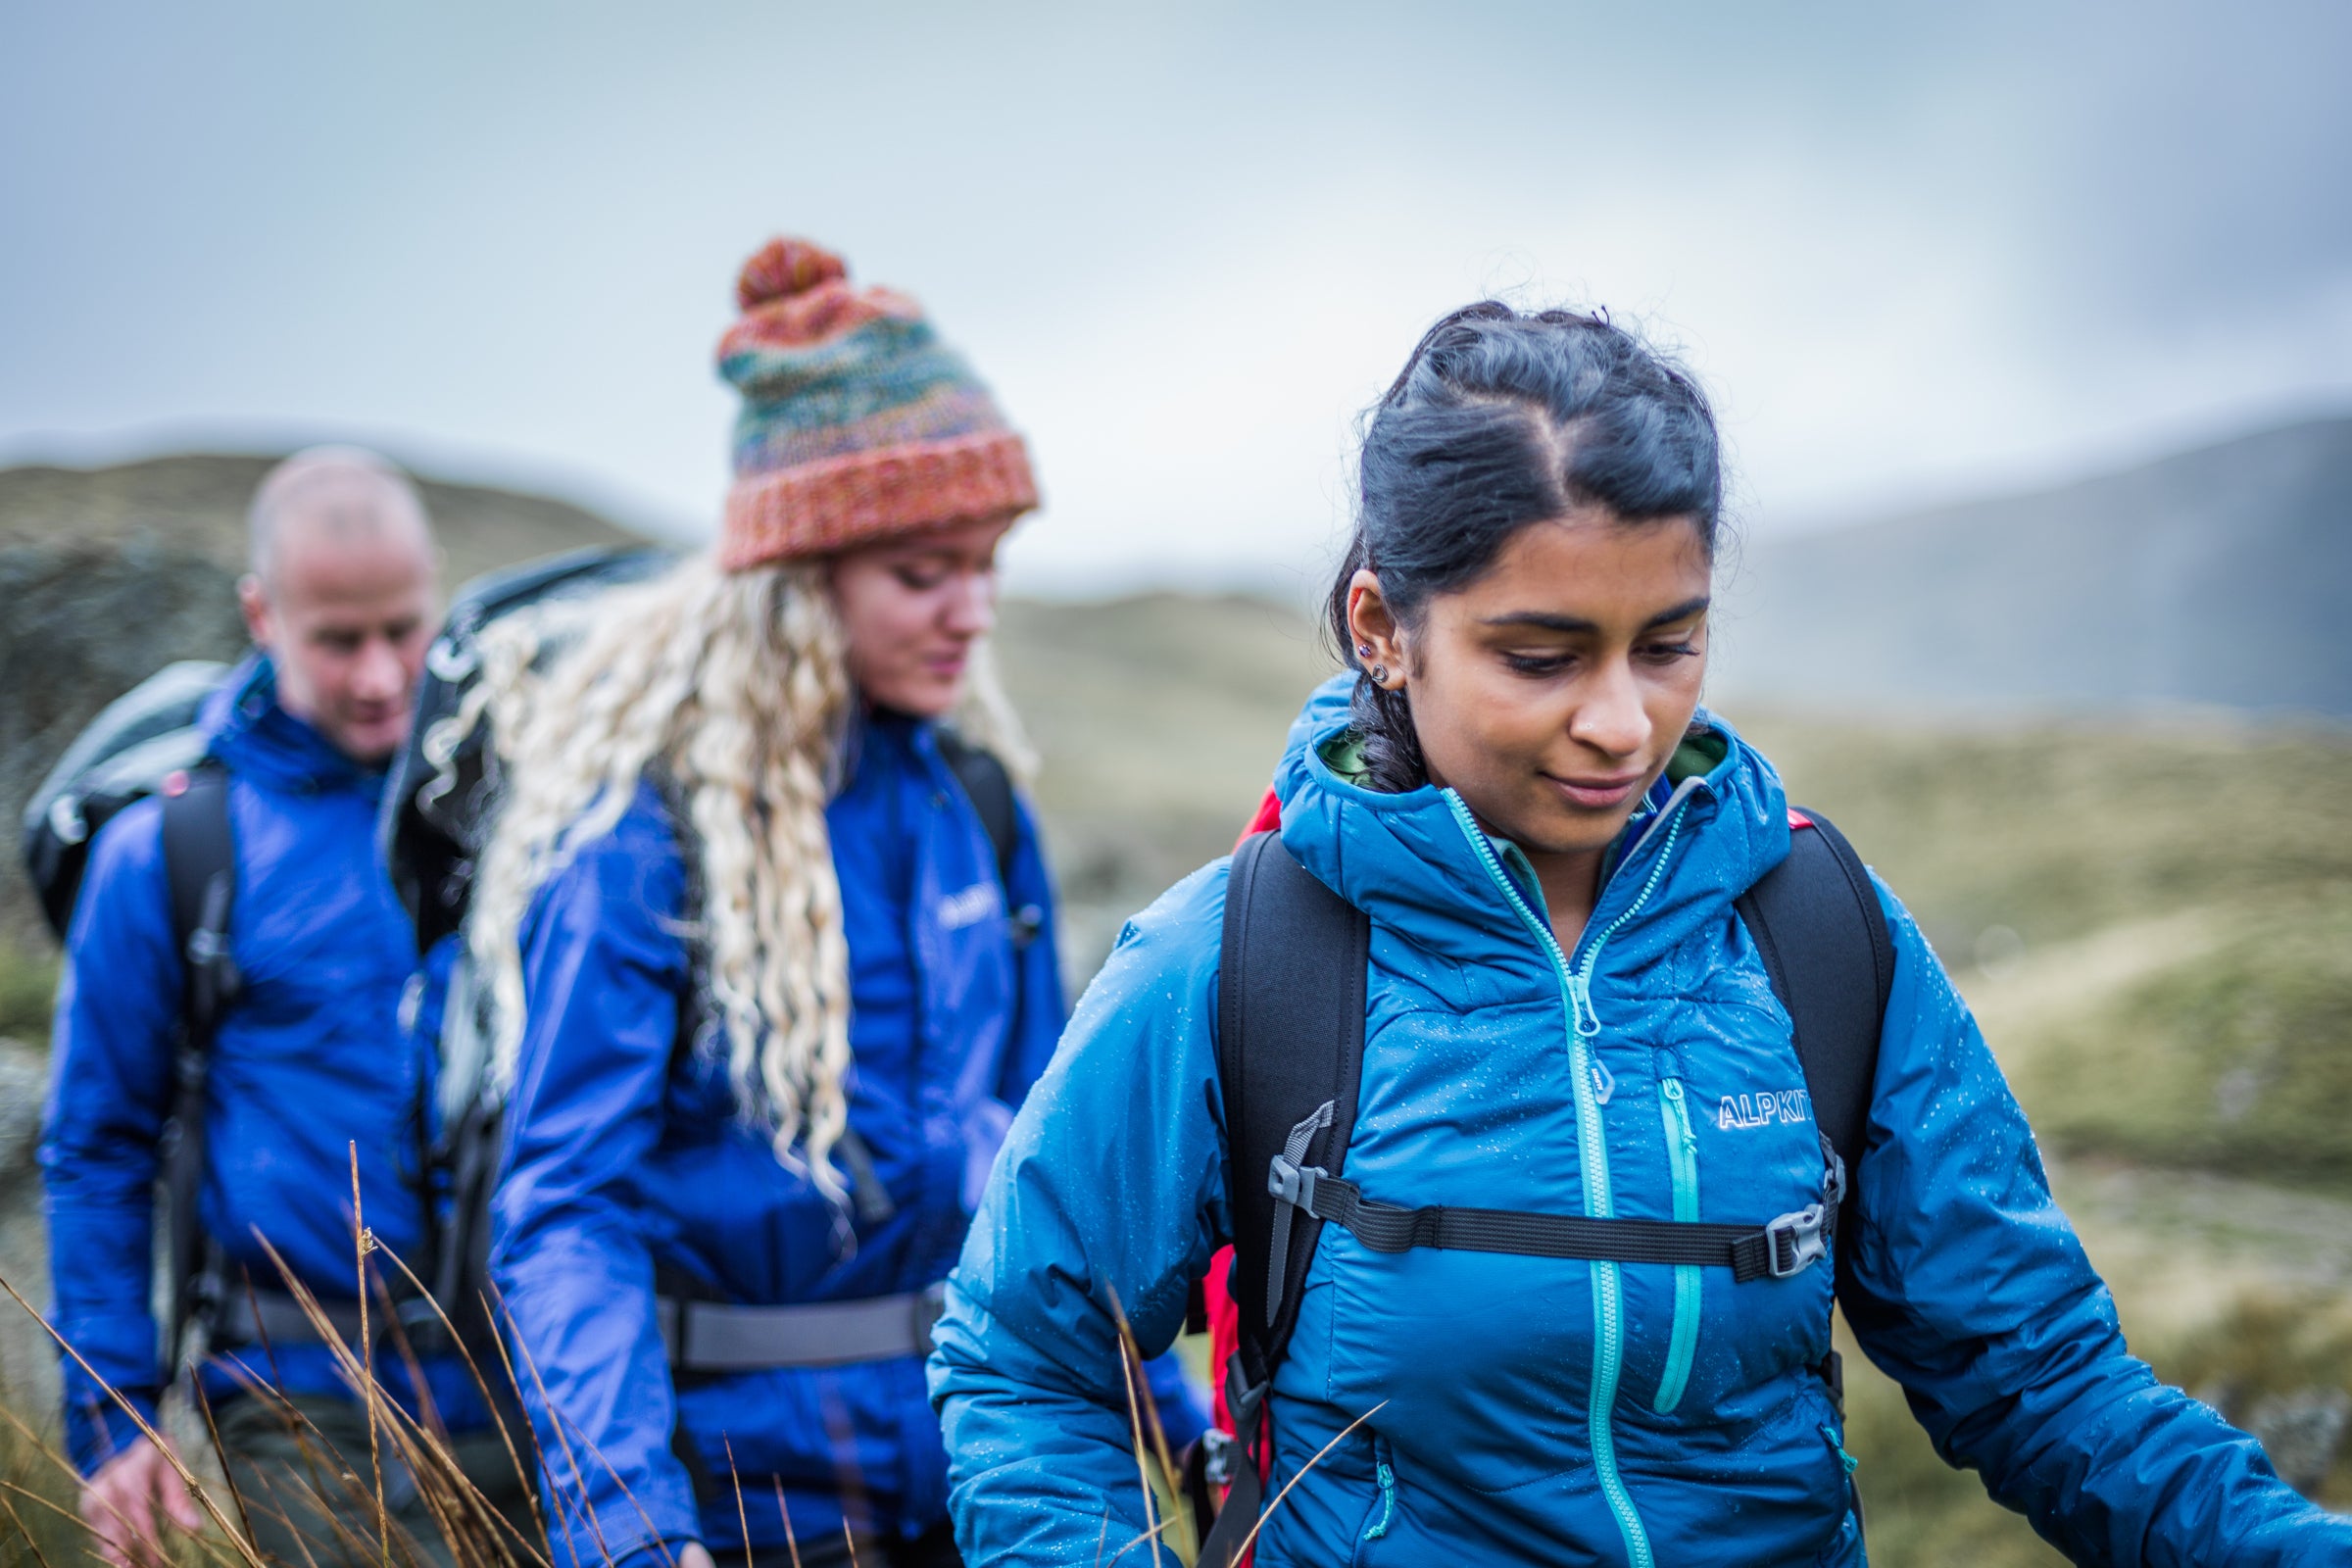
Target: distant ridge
[[2221, 575], [194, 503]]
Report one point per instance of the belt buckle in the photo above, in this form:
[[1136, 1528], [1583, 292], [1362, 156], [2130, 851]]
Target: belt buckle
[[1802, 1232]]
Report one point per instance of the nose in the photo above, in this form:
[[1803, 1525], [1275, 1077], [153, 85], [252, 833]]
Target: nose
[[379, 676], [970, 610], [1611, 718]]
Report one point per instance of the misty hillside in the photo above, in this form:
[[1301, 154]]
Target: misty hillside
[[2219, 575]]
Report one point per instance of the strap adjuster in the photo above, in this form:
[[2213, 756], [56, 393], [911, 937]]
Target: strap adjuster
[[1218, 1448], [1292, 1183], [1793, 1242]]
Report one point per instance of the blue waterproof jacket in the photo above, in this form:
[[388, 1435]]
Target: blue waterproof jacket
[[628, 1162], [307, 1064], [1520, 1409]]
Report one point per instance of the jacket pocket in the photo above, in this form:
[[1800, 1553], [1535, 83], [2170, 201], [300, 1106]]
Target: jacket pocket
[[1690, 1291]]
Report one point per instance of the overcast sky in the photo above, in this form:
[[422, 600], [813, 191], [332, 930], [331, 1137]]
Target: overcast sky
[[1915, 252]]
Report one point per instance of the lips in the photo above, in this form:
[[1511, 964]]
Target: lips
[[1595, 793]]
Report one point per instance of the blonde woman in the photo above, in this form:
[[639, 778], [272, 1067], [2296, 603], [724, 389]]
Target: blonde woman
[[767, 986]]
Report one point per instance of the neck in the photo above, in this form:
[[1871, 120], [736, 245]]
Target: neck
[[1570, 884]]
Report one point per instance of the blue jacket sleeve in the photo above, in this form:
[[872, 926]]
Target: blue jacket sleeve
[[1967, 1285], [1109, 1194], [108, 1099], [604, 970]]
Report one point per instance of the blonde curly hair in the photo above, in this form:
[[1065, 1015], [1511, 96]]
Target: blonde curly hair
[[735, 685]]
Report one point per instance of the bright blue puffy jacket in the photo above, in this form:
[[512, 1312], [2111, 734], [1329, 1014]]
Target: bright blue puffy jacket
[[628, 1159], [1522, 1409], [307, 1064]]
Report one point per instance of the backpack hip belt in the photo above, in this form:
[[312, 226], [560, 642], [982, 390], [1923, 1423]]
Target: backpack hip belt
[[720, 1336], [259, 1314]]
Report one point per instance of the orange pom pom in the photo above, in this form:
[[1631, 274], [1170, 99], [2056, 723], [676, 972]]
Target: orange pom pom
[[784, 267]]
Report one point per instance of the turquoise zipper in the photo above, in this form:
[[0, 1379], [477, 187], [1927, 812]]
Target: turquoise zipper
[[1608, 1294], [1682, 1155]]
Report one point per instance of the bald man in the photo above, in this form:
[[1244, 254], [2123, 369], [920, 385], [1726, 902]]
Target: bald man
[[307, 1062]]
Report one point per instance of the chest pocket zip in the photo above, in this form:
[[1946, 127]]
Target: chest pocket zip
[[1681, 1157]]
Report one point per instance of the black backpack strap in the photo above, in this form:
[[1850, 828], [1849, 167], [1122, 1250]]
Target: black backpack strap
[[1823, 936], [200, 867], [989, 786], [1290, 1053], [1290, 1057]]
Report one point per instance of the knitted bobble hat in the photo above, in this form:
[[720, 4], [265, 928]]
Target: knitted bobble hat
[[858, 422]]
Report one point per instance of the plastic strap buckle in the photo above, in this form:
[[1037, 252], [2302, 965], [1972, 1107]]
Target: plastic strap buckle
[[1292, 1183], [1797, 1241], [1218, 1447]]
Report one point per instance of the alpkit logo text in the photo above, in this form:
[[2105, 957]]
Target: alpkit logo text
[[1764, 1108]]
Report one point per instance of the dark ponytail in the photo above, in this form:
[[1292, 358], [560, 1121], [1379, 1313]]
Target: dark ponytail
[[1500, 419]]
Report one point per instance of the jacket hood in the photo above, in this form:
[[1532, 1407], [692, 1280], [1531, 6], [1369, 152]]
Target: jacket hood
[[247, 730], [1417, 861]]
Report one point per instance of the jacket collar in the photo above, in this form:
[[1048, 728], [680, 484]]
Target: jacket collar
[[1411, 863], [249, 732]]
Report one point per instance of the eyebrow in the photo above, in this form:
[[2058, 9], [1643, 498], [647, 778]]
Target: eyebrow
[[1545, 621]]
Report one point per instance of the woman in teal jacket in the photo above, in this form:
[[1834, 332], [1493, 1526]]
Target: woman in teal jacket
[[1548, 835]]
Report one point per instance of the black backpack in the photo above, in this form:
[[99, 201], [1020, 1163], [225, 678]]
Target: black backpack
[[146, 743], [1290, 1055], [436, 819]]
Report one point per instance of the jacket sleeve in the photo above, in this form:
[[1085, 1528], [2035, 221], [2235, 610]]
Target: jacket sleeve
[[1109, 1196], [117, 1010], [1967, 1285], [603, 969]]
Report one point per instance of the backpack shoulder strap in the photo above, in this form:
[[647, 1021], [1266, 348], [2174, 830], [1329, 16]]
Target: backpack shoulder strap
[[1290, 1055], [200, 866], [1817, 923], [983, 778]]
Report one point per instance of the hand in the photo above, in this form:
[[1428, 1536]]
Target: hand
[[119, 1505], [694, 1554]]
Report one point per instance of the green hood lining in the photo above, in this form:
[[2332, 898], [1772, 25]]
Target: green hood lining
[[1702, 751]]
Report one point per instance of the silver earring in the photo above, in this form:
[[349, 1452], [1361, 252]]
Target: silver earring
[[1379, 674]]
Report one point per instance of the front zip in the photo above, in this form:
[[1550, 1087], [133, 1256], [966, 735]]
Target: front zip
[[1608, 1296], [1682, 1158]]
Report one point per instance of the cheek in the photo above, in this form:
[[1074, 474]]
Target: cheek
[[882, 623], [1475, 721]]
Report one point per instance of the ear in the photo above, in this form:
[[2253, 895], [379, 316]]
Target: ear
[[1371, 625], [254, 601]]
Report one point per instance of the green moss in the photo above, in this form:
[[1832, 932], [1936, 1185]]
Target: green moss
[[27, 987], [2239, 1061]]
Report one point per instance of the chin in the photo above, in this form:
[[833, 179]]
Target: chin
[[372, 746]]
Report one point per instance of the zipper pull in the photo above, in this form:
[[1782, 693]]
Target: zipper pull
[[1673, 1090], [1580, 999], [1385, 1479]]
